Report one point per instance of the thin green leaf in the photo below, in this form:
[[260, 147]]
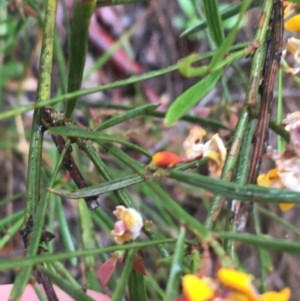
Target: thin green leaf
[[87, 235], [120, 289], [225, 13], [207, 122], [33, 260], [272, 244], [82, 14], [70, 96], [142, 110], [101, 3], [74, 131], [231, 190], [214, 22], [13, 229], [176, 267], [101, 188], [224, 47], [190, 97], [33, 203], [123, 197], [64, 229], [136, 286]]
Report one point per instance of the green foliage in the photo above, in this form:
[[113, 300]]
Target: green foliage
[[106, 157]]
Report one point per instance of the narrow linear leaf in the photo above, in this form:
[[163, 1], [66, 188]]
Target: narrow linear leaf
[[136, 286], [101, 3], [101, 188], [119, 291], [82, 14], [190, 97], [64, 229], [70, 96], [176, 267], [33, 260], [225, 13], [87, 234], [231, 190], [126, 116], [74, 131], [224, 47], [213, 19], [279, 245]]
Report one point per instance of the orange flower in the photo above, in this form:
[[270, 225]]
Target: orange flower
[[165, 159]]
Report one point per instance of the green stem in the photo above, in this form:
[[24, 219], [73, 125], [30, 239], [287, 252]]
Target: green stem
[[250, 100]]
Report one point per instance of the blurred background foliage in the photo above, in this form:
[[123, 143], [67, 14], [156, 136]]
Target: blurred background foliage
[[123, 41]]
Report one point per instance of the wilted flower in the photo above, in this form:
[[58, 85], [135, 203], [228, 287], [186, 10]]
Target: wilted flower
[[213, 149], [288, 9], [293, 46], [128, 226], [287, 171], [192, 145], [229, 285], [165, 159]]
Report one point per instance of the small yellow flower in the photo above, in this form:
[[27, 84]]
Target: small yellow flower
[[195, 289], [238, 281], [283, 295], [271, 179], [230, 285], [293, 24], [128, 226]]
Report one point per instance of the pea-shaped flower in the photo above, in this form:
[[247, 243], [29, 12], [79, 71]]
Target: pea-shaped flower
[[129, 224]]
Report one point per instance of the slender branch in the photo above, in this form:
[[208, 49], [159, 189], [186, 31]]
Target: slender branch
[[261, 135], [250, 102], [51, 118]]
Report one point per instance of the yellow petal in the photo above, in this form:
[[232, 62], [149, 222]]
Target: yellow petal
[[216, 152], [194, 289], [283, 295], [238, 281], [286, 206], [293, 24], [271, 179]]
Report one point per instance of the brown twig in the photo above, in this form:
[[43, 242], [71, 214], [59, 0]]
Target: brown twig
[[261, 135], [272, 62], [51, 118]]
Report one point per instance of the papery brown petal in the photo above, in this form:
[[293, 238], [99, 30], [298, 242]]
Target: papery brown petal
[[138, 265]]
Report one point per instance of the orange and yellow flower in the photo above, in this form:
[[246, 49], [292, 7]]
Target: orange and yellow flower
[[228, 285]]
